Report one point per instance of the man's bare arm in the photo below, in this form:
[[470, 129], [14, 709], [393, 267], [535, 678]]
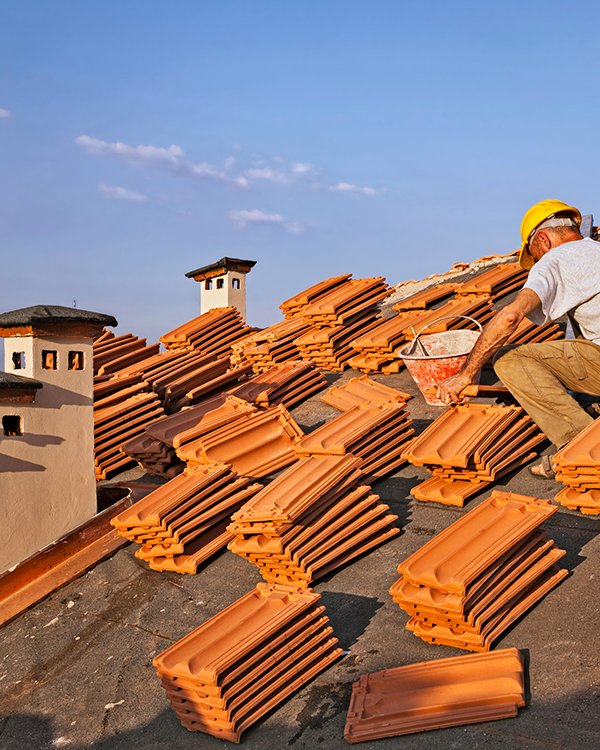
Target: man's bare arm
[[495, 334]]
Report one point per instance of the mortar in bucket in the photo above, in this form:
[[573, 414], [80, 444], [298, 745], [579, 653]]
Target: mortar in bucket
[[436, 356]]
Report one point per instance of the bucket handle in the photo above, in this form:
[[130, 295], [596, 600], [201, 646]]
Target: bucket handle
[[446, 317]]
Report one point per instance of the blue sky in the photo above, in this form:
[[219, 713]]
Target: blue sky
[[140, 140]]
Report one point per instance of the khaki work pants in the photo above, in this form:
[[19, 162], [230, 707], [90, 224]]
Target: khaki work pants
[[539, 375]]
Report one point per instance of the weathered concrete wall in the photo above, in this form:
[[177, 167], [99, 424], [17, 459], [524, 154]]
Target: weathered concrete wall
[[47, 479], [227, 296]]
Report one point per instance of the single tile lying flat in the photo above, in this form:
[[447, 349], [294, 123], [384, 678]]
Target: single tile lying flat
[[435, 694], [362, 391], [234, 668]]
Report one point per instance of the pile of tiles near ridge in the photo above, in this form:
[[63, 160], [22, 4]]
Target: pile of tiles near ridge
[[475, 578], [377, 433], [213, 332], [470, 446], [435, 694], [184, 522], [377, 349], [233, 669], [578, 468], [313, 518], [222, 430], [497, 282], [320, 322]]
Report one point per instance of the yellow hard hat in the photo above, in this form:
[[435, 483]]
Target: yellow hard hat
[[533, 218]]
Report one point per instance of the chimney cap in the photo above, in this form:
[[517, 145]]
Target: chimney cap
[[221, 267]]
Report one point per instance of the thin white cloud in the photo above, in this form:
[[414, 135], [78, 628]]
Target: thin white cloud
[[237, 147], [301, 168], [122, 194], [170, 159], [243, 218], [229, 162], [267, 173], [346, 187], [4, 113]]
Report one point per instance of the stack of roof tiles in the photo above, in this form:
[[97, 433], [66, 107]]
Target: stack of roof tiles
[[470, 446], [233, 669], [497, 282], [434, 694], [255, 445], [213, 332], [342, 304], [377, 349], [286, 383], [184, 522], [329, 347], [376, 433], [425, 299], [271, 346], [362, 391], [578, 468], [474, 579], [312, 519], [113, 353], [118, 417], [294, 306]]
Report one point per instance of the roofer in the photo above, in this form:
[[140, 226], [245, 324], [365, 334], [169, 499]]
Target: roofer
[[564, 279]]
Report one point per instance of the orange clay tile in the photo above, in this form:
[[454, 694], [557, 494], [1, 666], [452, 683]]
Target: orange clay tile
[[285, 685], [587, 502], [335, 436], [492, 629], [149, 510], [447, 492], [457, 555], [583, 450], [179, 335], [435, 694], [312, 293], [222, 641], [453, 437], [489, 281], [424, 299], [294, 491], [253, 446], [198, 420], [361, 391]]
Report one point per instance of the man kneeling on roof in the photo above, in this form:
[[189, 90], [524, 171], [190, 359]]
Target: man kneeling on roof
[[564, 279]]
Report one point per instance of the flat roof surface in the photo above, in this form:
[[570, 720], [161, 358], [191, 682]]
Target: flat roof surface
[[76, 670]]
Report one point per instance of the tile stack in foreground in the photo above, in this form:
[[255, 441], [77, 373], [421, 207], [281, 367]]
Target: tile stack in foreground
[[379, 434], [312, 519], [470, 446], [184, 522], [578, 468], [474, 579], [435, 694], [233, 669]]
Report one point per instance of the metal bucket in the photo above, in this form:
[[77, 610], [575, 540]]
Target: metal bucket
[[435, 357]]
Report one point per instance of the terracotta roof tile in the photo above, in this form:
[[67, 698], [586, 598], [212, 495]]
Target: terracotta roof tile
[[435, 694], [362, 391]]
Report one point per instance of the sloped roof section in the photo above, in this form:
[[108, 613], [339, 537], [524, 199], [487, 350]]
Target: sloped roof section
[[28, 316]]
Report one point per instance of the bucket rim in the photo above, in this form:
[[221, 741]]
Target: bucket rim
[[436, 356]]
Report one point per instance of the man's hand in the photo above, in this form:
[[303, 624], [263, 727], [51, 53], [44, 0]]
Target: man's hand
[[449, 390]]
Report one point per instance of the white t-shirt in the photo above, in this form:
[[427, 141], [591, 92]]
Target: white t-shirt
[[567, 279]]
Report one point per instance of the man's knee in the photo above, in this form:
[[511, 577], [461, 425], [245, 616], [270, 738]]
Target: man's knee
[[504, 359]]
